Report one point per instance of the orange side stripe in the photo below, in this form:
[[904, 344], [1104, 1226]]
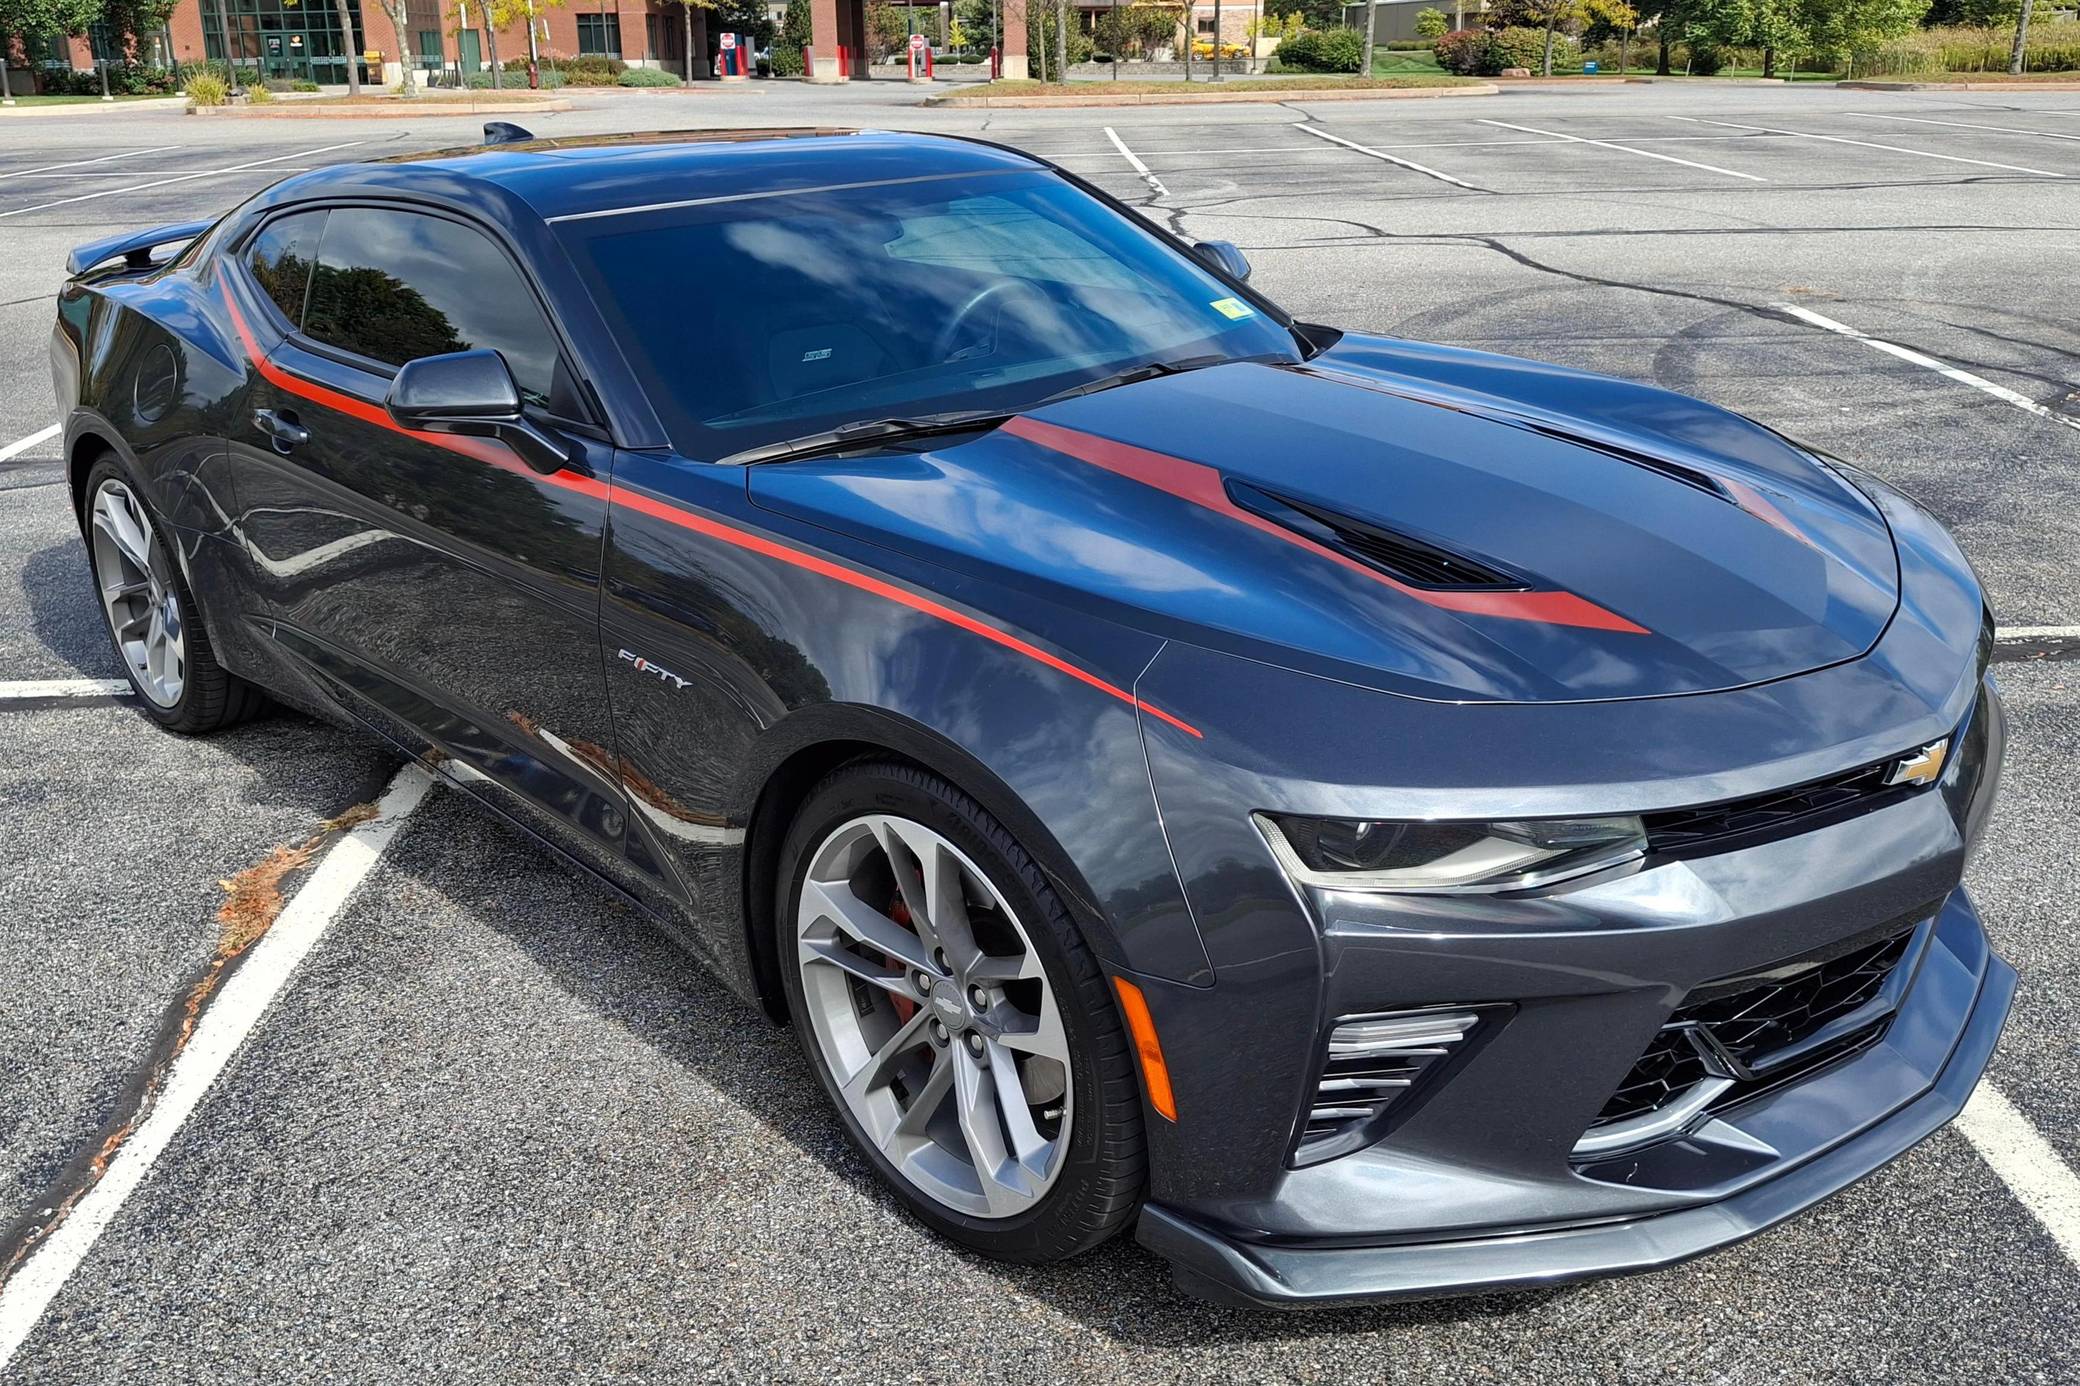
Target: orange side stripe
[[497, 455], [1204, 486], [1155, 1074]]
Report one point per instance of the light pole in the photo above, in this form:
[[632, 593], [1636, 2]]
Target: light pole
[[1216, 40]]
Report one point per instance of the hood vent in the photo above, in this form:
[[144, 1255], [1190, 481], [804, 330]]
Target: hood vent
[[1405, 559], [1674, 471]]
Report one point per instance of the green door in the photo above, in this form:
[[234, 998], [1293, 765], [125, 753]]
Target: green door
[[472, 54]]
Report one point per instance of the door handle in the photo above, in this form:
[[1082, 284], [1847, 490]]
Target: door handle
[[282, 427]]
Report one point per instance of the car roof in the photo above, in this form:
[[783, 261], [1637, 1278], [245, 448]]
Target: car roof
[[601, 173]]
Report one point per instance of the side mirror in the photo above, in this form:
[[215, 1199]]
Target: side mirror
[[1225, 257], [472, 393]]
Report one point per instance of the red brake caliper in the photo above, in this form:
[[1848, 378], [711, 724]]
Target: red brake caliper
[[899, 911]]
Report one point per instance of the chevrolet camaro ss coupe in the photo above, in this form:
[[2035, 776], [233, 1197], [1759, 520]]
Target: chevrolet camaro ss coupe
[[1378, 819]]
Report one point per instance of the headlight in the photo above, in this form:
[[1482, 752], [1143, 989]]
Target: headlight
[[1346, 854]]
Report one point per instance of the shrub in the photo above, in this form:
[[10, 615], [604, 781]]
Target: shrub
[[648, 77], [787, 61], [481, 81], [1469, 52], [1328, 50], [1432, 24], [207, 89], [303, 86], [1706, 60], [1518, 46], [259, 94]]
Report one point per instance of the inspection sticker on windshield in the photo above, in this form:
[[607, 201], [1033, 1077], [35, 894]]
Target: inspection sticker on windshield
[[1232, 308]]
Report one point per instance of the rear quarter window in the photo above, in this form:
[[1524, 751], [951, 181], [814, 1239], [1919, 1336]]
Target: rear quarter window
[[280, 259]]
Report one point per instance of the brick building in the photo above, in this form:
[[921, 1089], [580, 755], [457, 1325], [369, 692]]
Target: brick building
[[303, 39]]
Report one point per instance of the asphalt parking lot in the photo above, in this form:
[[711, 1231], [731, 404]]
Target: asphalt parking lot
[[494, 1127]]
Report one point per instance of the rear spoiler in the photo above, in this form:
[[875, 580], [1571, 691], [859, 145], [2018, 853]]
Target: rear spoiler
[[135, 247]]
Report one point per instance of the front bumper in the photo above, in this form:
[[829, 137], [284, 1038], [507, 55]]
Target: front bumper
[[1809, 1140]]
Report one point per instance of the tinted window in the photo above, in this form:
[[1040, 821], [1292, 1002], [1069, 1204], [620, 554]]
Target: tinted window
[[395, 286], [281, 257], [774, 317]]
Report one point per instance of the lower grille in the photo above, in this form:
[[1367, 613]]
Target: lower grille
[[1734, 1039], [1373, 1072]]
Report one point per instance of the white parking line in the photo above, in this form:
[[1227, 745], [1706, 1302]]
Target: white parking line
[[2026, 1163], [183, 178], [1387, 158], [1908, 354], [82, 163], [223, 1025], [22, 445], [1627, 149], [16, 690], [2018, 633], [1155, 184], [1866, 144], [1965, 125]]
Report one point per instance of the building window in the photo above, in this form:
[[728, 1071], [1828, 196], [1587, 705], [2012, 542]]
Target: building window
[[600, 33], [430, 50]]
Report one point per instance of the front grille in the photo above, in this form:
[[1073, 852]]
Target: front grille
[[1759, 1031], [1776, 812], [1376, 1068]]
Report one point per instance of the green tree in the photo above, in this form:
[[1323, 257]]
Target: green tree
[[747, 17], [1432, 24], [1854, 27], [1318, 14], [796, 30], [28, 21], [1774, 26]]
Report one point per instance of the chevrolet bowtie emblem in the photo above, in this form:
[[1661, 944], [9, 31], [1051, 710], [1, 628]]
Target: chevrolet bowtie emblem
[[1924, 766]]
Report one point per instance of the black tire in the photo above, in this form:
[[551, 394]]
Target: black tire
[[211, 697], [1100, 1183]]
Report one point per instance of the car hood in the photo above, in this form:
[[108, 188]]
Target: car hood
[[1438, 523]]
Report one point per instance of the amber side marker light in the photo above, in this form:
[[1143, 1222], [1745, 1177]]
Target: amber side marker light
[[1155, 1074]]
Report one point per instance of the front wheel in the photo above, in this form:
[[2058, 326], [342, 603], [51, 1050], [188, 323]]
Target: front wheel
[[960, 1026]]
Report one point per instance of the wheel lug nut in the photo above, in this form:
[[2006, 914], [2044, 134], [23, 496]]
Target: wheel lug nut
[[938, 1032], [939, 957], [979, 997], [923, 980], [974, 1043]]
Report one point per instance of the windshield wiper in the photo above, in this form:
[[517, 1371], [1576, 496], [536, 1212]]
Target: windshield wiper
[[868, 431], [1154, 369]]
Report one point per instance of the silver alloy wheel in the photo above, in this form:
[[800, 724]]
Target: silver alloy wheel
[[144, 611], [934, 1015]]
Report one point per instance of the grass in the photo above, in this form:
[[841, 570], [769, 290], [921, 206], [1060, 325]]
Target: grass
[[21, 100], [1312, 82], [1404, 64]]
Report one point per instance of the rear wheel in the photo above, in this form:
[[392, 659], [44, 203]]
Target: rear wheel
[[958, 1023], [152, 617]]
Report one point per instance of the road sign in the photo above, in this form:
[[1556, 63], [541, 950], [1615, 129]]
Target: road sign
[[917, 43], [729, 41]]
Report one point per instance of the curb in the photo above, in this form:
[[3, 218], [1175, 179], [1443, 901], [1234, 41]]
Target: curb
[[1861, 85], [412, 110], [1225, 97], [153, 103]]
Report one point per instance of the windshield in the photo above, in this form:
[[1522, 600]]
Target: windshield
[[762, 319]]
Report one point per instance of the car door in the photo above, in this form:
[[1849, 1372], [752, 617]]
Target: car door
[[438, 586]]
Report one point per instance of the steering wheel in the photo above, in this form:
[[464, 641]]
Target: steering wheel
[[942, 344]]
